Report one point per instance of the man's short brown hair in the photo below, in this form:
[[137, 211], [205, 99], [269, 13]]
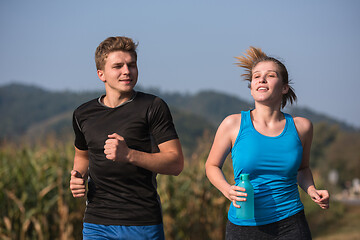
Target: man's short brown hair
[[112, 44]]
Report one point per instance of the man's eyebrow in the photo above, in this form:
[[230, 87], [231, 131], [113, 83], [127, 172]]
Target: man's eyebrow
[[122, 63], [118, 63]]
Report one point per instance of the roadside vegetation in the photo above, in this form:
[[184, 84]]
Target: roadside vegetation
[[36, 202]]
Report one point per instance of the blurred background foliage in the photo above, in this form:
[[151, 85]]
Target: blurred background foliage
[[36, 202], [35, 166]]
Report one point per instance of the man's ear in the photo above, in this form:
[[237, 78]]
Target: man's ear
[[101, 75]]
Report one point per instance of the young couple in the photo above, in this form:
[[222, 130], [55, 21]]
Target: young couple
[[125, 138]]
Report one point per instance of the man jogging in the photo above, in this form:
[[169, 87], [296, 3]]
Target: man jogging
[[123, 140]]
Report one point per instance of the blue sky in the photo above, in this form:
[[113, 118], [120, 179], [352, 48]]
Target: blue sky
[[187, 46]]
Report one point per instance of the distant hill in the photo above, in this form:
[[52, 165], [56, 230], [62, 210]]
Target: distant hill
[[32, 112], [215, 106], [23, 106]]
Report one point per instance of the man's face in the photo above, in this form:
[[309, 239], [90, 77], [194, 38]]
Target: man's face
[[120, 72]]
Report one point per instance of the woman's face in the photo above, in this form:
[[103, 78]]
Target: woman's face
[[266, 83]]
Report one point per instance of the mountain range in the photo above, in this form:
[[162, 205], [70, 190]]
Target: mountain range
[[31, 112]]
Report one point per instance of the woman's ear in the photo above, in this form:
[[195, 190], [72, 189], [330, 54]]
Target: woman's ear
[[285, 89]]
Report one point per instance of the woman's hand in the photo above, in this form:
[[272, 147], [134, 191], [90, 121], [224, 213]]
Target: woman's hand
[[235, 194], [321, 197]]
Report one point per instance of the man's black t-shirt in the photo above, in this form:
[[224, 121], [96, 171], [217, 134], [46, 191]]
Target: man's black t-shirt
[[121, 193]]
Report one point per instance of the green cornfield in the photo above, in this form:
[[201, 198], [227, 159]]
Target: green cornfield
[[35, 199], [36, 202]]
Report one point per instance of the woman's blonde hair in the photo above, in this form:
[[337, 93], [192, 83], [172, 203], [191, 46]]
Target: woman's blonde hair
[[252, 57]]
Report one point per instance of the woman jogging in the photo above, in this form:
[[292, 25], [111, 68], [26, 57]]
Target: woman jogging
[[274, 149]]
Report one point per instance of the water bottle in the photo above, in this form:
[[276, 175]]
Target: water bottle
[[246, 210]]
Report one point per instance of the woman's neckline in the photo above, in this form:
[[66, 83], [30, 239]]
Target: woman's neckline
[[275, 136]]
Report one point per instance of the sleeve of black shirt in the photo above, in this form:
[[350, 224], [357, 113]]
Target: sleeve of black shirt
[[161, 122], [80, 141]]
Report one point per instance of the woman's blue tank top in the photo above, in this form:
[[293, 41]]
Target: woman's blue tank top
[[272, 163]]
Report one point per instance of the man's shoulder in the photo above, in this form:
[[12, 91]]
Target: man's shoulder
[[87, 105], [148, 97], [145, 95]]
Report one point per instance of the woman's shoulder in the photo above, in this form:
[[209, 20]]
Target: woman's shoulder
[[230, 127], [232, 120], [302, 122], [303, 125]]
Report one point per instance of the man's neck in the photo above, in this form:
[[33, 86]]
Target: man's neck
[[115, 100]]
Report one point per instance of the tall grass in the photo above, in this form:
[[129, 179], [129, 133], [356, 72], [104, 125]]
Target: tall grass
[[192, 207], [35, 199], [36, 203]]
